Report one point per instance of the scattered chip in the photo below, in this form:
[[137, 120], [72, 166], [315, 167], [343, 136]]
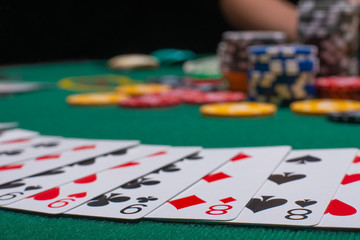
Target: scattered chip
[[181, 93], [205, 67], [142, 89], [151, 101], [169, 56], [248, 109], [87, 99], [171, 80], [213, 97], [132, 61], [339, 87], [345, 117], [324, 106]]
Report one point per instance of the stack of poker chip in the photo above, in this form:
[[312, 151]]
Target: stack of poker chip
[[233, 57], [281, 74], [339, 87], [331, 25]]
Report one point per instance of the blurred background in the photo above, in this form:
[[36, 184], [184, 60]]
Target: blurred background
[[69, 30]]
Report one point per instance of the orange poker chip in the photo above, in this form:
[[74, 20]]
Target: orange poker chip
[[96, 99], [142, 89], [248, 109], [324, 106]]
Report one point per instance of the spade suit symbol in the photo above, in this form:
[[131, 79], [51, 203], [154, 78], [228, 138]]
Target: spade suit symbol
[[286, 177], [50, 144], [305, 202], [257, 205], [13, 184], [11, 152], [304, 159]]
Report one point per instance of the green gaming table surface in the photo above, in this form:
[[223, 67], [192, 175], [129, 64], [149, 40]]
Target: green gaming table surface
[[47, 112]]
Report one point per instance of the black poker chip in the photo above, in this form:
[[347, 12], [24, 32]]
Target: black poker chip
[[345, 117]]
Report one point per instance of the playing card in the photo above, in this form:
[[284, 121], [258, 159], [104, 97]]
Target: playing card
[[16, 134], [89, 149], [299, 190], [63, 198], [222, 194], [25, 142], [41, 146], [7, 125], [139, 197], [22, 188], [9, 87], [342, 212]]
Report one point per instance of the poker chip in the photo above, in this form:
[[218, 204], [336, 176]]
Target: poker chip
[[282, 51], [205, 67], [181, 93], [333, 27], [105, 98], [232, 54], [213, 97], [142, 89], [169, 56], [171, 80], [345, 117], [248, 109], [132, 61], [282, 74], [151, 101], [203, 84], [207, 84], [324, 106], [341, 87]]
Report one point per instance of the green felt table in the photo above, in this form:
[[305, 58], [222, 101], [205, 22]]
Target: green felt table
[[47, 112]]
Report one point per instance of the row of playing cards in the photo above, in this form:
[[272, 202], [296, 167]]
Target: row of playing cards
[[123, 179]]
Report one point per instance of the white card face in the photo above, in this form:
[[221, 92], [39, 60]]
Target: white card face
[[15, 134], [88, 149], [41, 146], [150, 191], [222, 194], [7, 125], [343, 210], [63, 198], [20, 189], [299, 190]]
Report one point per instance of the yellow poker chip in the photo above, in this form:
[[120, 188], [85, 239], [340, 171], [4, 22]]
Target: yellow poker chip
[[246, 109], [96, 99], [141, 89], [324, 106]]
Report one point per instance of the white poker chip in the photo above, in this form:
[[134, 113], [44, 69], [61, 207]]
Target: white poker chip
[[132, 61]]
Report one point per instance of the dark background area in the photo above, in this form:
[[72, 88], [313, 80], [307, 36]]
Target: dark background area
[[65, 30]]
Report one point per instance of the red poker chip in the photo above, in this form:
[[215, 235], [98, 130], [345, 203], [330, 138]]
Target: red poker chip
[[338, 82], [181, 92], [151, 101], [344, 87], [213, 97]]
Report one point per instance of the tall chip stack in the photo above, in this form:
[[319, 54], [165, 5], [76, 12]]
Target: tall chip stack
[[331, 25], [281, 74], [233, 58]]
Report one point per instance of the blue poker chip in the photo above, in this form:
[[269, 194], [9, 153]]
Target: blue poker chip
[[290, 66], [281, 51]]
